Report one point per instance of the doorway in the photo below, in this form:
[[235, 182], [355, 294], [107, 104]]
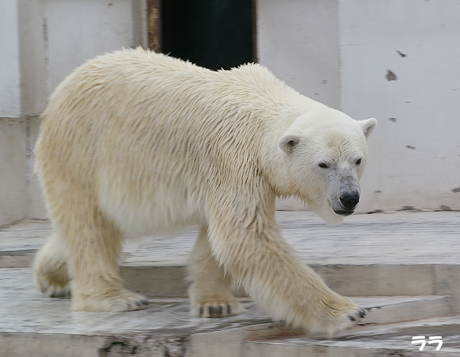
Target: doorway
[[211, 33]]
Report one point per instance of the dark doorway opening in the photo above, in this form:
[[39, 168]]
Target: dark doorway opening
[[210, 33]]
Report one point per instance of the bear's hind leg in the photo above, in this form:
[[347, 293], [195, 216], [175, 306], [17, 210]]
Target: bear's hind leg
[[50, 269], [209, 292], [93, 250]]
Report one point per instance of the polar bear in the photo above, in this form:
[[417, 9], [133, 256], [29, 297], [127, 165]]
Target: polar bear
[[135, 143]]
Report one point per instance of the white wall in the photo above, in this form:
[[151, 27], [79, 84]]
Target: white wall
[[415, 150], [32, 59], [80, 30], [41, 42], [12, 131], [10, 104], [298, 41]]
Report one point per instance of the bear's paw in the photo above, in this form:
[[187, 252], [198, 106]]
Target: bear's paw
[[339, 315], [216, 308], [52, 284], [115, 301], [53, 290]]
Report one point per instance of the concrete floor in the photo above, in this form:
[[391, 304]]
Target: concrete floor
[[414, 254]]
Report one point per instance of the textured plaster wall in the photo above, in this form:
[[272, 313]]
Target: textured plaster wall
[[396, 61], [298, 41], [400, 64], [80, 30]]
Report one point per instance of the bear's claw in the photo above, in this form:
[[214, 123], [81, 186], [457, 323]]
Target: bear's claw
[[349, 318], [217, 309], [54, 290], [360, 314], [142, 302], [137, 304]]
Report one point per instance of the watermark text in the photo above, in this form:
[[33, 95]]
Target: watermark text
[[422, 341]]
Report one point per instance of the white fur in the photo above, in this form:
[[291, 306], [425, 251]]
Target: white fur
[[135, 143]]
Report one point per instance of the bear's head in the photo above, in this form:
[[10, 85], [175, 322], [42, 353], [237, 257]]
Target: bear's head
[[324, 154]]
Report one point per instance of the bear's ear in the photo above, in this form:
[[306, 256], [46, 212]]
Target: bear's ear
[[368, 126], [288, 142]]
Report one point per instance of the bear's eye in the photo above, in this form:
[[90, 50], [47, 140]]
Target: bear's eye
[[358, 162], [323, 165]]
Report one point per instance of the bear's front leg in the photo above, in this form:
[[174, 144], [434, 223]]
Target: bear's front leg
[[209, 291], [249, 245]]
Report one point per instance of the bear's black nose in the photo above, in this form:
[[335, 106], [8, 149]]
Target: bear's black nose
[[349, 199]]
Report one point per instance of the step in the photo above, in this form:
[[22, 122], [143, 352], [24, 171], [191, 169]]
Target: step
[[31, 324], [18, 258], [351, 280], [168, 279], [379, 254], [391, 309], [348, 280], [384, 340]]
